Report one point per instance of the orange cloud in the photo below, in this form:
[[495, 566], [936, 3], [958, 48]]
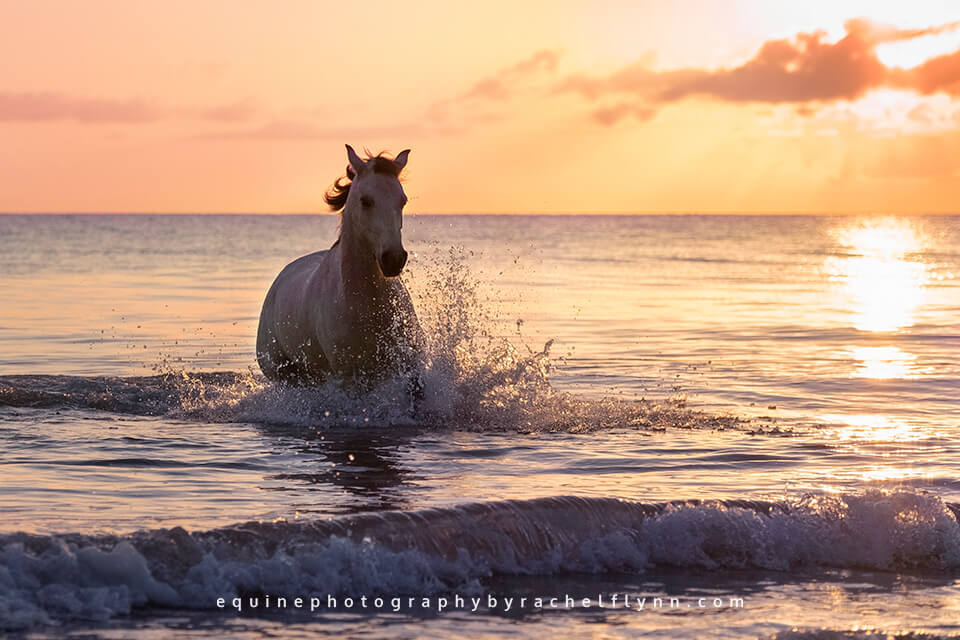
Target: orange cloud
[[936, 74], [803, 69]]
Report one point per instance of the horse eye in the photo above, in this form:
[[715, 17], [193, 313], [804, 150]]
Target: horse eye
[[366, 201]]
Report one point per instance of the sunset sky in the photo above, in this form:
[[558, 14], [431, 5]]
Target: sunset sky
[[704, 106]]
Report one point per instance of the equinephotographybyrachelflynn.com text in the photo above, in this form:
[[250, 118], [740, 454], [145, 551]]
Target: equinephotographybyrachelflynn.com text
[[471, 604]]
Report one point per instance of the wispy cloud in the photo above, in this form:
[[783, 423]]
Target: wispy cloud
[[304, 130], [478, 104], [51, 106], [39, 107], [503, 83], [613, 114], [239, 111], [480, 101]]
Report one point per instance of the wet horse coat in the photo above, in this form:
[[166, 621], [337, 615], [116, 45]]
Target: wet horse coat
[[343, 313]]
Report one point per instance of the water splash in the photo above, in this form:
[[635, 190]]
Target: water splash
[[474, 377]]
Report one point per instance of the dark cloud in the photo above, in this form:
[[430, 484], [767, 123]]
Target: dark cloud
[[803, 70]]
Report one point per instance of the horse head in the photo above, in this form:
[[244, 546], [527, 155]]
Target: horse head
[[374, 207]]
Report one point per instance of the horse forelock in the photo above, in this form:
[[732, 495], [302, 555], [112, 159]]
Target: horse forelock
[[336, 195], [384, 166]]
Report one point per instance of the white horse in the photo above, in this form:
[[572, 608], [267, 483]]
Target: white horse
[[343, 313]]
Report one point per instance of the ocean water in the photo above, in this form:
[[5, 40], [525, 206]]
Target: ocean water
[[757, 417]]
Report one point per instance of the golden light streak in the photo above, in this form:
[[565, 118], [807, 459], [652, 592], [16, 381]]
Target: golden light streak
[[882, 283], [871, 427], [884, 363]]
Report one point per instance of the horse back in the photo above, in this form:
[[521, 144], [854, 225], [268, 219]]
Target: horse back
[[302, 267]]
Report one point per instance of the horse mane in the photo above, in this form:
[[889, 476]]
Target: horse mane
[[336, 195]]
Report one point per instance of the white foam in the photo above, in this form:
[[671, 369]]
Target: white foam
[[50, 578], [853, 634]]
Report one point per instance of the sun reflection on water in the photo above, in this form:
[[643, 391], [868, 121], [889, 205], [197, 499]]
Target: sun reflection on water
[[887, 474], [882, 280], [884, 363], [872, 436], [871, 427]]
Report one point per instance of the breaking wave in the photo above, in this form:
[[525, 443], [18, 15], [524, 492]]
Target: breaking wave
[[50, 578]]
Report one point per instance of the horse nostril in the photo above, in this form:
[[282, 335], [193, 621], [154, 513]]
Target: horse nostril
[[391, 262]]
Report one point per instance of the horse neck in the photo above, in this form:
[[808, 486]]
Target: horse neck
[[358, 263]]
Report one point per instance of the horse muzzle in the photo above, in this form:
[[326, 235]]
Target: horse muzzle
[[392, 262]]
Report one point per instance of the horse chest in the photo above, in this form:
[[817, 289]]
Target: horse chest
[[364, 337]]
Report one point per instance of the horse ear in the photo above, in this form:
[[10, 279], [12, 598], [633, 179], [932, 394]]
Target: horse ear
[[401, 159], [355, 161]]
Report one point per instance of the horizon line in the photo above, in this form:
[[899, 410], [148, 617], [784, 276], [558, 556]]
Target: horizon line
[[493, 213]]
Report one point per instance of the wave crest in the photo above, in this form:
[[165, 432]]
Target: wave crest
[[48, 578]]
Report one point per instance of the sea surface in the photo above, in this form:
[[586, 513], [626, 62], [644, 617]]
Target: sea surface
[[753, 422]]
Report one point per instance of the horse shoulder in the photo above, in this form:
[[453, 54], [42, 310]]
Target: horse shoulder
[[323, 296], [290, 290]]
